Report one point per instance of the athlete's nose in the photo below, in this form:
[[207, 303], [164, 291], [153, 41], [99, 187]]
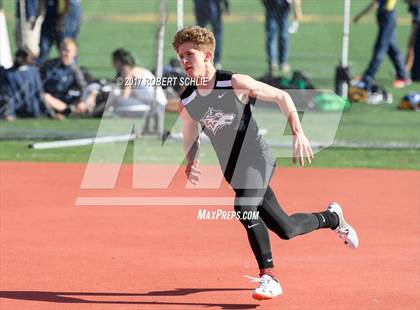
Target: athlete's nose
[[185, 62]]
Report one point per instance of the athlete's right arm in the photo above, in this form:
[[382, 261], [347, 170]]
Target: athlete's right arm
[[191, 138], [366, 10]]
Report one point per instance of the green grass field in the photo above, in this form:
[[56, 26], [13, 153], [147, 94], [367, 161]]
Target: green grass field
[[315, 50]]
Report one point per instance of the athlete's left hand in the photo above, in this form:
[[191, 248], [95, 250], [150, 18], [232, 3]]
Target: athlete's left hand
[[301, 149], [193, 173]]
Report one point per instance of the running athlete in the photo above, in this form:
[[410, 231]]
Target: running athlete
[[223, 109]]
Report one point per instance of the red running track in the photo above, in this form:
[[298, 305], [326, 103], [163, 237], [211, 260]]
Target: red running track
[[55, 255]]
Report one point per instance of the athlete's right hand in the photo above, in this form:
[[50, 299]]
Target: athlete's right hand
[[302, 149], [193, 173]]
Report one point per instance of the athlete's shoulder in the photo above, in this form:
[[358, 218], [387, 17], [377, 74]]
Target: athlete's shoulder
[[224, 74], [188, 95], [243, 81], [223, 79]]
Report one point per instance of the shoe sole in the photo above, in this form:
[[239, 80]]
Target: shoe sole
[[350, 245], [263, 297]]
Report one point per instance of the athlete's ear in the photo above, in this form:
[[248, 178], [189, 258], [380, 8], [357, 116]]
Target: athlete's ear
[[208, 56]]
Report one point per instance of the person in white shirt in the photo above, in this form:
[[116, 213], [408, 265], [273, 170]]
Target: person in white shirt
[[137, 88]]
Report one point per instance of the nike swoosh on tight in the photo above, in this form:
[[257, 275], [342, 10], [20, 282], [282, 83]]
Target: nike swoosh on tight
[[250, 226]]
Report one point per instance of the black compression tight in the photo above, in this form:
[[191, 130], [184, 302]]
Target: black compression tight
[[271, 216]]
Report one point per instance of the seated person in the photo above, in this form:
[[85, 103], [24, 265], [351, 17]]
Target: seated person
[[173, 91], [174, 66], [3, 100], [22, 88], [63, 81], [174, 69], [134, 90]]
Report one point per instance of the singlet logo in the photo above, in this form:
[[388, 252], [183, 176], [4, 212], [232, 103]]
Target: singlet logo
[[216, 119]]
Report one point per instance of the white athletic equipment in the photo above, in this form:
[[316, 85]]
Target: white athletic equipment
[[344, 230], [268, 288]]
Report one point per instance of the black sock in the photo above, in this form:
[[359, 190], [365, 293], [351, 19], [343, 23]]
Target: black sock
[[334, 220], [327, 219]]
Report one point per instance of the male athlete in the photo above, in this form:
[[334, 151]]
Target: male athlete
[[222, 108]]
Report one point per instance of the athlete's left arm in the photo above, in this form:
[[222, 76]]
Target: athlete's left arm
[[245, 86]]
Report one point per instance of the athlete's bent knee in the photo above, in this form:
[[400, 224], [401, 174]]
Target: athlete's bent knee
[[288, 234]]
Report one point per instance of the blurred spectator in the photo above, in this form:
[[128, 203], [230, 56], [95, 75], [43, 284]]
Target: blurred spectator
[[210, 11], [139, 94], [415, 70], [63, 81], [277, 32], [62, 20], [174, 66], [2, 87], [28, 28], [173, 91], [22, 88], [73, 15], [414, 9], [174, 69], [386, 43]]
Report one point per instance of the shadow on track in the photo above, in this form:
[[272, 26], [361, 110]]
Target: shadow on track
[[66, 297]]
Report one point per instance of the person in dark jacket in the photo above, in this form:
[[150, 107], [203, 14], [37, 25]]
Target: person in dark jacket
[[412, 62], [63, 81], [22, 88]]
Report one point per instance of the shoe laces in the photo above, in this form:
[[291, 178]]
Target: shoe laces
[[342, 231], [262, 280]]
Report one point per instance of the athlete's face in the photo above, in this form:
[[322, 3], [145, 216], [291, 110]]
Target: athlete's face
[[193, 60]]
